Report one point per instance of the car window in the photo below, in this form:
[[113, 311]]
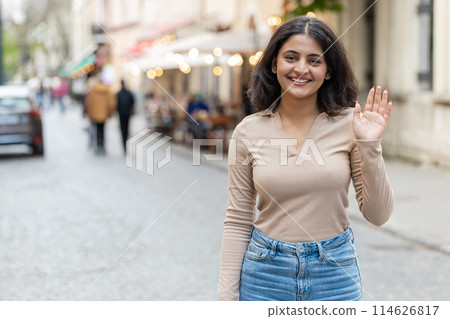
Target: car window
[[14, 104]]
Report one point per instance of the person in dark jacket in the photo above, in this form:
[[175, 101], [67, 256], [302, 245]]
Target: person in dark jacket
[[125, 104]]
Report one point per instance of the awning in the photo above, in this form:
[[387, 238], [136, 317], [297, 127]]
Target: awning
[[170, 27], [166, 62], [235, 42], [80, 63], [162, 34], [230, 42]]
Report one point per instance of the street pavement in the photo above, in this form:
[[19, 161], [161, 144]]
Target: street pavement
[[79, 226]]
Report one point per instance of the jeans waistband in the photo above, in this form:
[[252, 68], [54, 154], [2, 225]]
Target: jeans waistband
[[302, 247]]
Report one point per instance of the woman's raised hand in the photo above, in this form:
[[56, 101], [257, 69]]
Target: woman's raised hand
[[373, 122]]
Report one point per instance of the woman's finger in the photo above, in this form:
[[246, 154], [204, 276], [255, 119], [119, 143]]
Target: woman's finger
[[382, 108], [369, 102], [376, 105], [357, 112], [387, 114]]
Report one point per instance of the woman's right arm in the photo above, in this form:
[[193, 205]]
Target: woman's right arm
[[239, 218]]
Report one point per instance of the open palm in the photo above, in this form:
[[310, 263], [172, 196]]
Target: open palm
[[373, 122]]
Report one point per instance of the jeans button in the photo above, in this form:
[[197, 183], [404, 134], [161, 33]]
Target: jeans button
[[300, 249]]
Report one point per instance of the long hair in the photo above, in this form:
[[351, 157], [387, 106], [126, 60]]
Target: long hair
[[335, 94]]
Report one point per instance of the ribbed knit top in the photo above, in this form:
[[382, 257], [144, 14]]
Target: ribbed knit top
[[302, 193]]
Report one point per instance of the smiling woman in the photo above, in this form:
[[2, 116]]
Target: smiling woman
[[300, 246], [299, 46]]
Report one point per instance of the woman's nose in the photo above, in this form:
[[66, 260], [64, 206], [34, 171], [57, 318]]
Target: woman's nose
[[301, 67]]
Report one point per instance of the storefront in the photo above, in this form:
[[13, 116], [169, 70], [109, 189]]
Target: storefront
[[217, 64]]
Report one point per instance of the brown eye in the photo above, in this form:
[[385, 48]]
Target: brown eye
[[290, 58]]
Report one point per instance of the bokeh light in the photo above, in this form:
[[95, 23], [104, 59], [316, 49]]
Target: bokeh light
[[151, 74], [209, 59], [274, 21], [217, 70], [217, 51], [185, 68], [159, 71]]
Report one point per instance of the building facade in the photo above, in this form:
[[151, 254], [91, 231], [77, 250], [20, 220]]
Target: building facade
[[402, 45]]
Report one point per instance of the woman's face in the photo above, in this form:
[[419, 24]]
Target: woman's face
[[300, 67]]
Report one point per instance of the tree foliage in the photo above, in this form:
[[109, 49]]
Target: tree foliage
[[11, 53], [301, 7], [40, 25]]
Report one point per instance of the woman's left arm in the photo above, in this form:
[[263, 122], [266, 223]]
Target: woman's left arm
[[373, 189]]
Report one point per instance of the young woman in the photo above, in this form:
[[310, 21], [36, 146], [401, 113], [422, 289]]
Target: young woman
[[298, 154]]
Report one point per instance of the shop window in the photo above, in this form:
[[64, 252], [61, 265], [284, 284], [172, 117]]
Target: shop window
[[425, 11]]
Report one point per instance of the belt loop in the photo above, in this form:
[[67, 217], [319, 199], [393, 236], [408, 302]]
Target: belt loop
[[351, 234], [319, 245], [274, 248]]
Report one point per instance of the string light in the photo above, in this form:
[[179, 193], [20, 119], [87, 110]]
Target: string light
[[159, 71], [193, 53], [135, 71], [151, 74], [254, 59], [217, 51], [217, 70], [209, 59], [274, 21], [235, 59], [178, 58], [185, 68]]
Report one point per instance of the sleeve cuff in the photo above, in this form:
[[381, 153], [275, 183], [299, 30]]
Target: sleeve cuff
[[370, 150]]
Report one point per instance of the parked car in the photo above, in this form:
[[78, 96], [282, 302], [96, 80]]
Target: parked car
[[20, 118]]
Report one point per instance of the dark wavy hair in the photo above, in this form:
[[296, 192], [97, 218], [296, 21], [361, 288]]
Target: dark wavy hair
[[335, 94]]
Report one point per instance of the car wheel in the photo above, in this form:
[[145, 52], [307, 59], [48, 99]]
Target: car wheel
[[38, 150]]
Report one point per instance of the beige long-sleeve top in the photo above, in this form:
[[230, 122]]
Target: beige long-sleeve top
[[303, 193]]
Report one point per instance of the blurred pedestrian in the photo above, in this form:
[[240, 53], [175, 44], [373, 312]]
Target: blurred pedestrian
[[219, 125], [125, 105], [100, 105], [198, 121], [151, 107], [60, 93], [300, 245], [91, 80], [40, 94]]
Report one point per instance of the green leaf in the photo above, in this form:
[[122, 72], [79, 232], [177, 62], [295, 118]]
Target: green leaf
[[315, 6]]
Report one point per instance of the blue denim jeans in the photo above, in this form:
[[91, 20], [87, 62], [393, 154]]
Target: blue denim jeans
[[322, 270]]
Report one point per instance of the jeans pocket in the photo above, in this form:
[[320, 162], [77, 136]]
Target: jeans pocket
[[257, 252], [342, 255]]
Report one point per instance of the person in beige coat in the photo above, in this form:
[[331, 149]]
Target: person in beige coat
[[100, 105]]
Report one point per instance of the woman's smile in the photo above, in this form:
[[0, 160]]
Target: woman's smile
[[299, 81]]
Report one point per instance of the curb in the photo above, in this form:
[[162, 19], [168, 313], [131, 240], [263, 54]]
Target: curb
[[356, 217]]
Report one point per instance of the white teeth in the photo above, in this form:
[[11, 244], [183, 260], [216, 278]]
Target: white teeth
[[300, 81]]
